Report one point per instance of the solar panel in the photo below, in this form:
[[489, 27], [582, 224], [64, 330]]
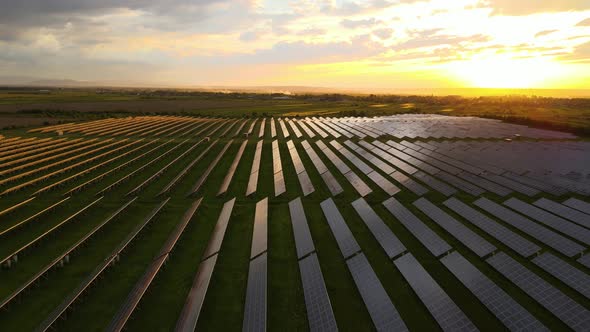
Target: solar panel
[[435, 184], [514, 241], [559, 304], [550, 238], [303, 239], [578, 205], [383, 313], [585, 260], [563, 271], [317, 301], [566, 227], [461, 184], [388, 241], [305, 182], [194, 302], [216, 238], [438, 303], [346, 242], [390, 188], [485, 184], [359, 185], [516, 186], [508, 311], [255, 306], [466, 236], [259, 237], [333, 185], [434, 243], [564, 211], [279, 184], [410, 184]]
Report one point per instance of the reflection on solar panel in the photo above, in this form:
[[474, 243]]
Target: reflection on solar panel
[[578, 205], [262, 126], [563, 271], [333, 185], [346, 242], [564, 211], [514, 241], [383, 183], [279, 181], [218, 233], [436, 245], [438, 303], [388, 241], [232, 169], [255, 307], [359, 185], [382, 311], [550, 238], [508, 311], [254, 172], [194, 302], [259, 237], [273, 128], [566, 227], [466, 236], [559, 304], [410, 184], [317, 302], [303, 240]]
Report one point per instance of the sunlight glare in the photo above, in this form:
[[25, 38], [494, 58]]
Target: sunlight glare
[[507, 72]]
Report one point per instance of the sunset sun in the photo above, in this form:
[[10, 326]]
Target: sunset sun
[[504, 72]]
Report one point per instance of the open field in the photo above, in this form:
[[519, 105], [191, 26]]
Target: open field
[[553, 113], [414, 221]]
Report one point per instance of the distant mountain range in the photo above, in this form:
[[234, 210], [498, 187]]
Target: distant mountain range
[[69, 83]]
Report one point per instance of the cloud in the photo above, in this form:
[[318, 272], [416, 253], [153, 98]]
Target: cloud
[[581, 53], [584, 23], [544, 33], [430, 39], [526, 7], [248, 36], [353, 24], [384, 33]]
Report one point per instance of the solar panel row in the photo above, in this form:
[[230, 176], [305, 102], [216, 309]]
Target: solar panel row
[[570, 312]]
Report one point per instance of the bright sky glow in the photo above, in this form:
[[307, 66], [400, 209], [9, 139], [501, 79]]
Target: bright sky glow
[[331, 43]]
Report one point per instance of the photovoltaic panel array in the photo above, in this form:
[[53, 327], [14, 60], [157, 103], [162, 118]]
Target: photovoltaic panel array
[[470, 239], [564, 226], [565, 272], [550, 238], [317, 301], [303, 239], [388, 241], [564, 211], [512, 240], [346, 241], [579, 205], [570, 312], [439, 304], [434, 243], [255, 307], [508, 311], [382, 311]]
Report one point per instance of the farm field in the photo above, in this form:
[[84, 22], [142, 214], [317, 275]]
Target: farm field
[[414, 222], [21, 107]]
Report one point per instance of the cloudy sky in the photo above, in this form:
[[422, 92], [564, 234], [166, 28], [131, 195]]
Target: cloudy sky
[[331, 43]]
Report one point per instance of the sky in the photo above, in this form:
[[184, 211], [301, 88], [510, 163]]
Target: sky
[[324, 43]]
